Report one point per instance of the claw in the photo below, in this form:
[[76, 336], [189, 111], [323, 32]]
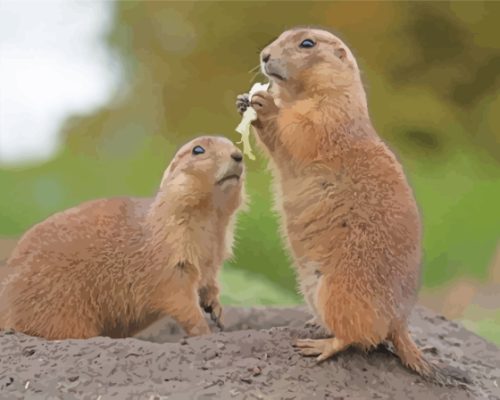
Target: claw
[[323, 348], [218, 320], [313, 323], [208, 309], [242, 102]]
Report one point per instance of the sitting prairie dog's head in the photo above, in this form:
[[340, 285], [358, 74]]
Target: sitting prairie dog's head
[[304, 59], [206, 168]]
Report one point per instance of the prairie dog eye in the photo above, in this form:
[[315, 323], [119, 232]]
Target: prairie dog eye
[[197, 150], [307, 44]]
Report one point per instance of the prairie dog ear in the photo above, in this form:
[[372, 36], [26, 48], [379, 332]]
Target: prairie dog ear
[[341, 53]]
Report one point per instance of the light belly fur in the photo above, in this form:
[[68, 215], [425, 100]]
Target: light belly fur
[[308, 281]]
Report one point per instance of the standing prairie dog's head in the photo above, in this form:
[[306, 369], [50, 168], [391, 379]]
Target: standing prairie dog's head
[[206, 168], [304, 59]]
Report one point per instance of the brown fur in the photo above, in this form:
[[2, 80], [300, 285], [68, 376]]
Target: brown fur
[[113, 266], [349, 215]]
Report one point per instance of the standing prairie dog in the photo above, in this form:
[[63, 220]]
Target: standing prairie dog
[[350, 217], [113, 266]]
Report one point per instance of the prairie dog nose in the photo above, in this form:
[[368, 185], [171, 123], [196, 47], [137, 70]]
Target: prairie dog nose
[[236, 156], [266, 57]]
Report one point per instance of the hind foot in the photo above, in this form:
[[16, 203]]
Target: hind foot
[[313, 323], [323, 348]]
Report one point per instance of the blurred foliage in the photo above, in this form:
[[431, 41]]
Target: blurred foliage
[[432, 77]]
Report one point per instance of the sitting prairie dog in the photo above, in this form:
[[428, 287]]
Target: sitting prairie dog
[[350, 216], [113, 266]]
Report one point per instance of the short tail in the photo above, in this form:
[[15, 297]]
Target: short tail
[[412, 357]]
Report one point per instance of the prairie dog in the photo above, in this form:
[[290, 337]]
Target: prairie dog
[[350, 217], [113, 266]]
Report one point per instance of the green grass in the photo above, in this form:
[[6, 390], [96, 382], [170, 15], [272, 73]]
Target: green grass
[[459, 203], [242, 288], [483, 322]]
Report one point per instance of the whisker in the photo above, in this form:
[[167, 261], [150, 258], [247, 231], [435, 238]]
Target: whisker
[[254, 68], [252, 79]]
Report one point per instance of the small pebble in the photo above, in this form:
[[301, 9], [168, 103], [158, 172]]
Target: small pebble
[[28, 352], [430, 349]]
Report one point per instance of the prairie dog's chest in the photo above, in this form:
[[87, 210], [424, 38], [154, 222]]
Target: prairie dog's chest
[[308, 278], [312, 209], [209, 243]]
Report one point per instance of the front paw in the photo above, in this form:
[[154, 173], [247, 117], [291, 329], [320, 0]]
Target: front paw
[[264, 105], [242, 102], [215, 311], [216, 315], [212, 306]]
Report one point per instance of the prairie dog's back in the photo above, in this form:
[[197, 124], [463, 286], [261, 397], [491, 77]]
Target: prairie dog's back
[[89, 252], [95, 228]]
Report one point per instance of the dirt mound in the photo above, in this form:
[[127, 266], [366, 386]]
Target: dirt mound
[[253, 359]]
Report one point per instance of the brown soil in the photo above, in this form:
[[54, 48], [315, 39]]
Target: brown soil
[[253, 359]]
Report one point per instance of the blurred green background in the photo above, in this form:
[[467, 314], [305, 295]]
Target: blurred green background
[[432, 74]]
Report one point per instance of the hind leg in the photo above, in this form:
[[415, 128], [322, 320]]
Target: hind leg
[[54, 327], [54, 321], [75, 329], [322, 348], [347, 313], [53, 317]]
